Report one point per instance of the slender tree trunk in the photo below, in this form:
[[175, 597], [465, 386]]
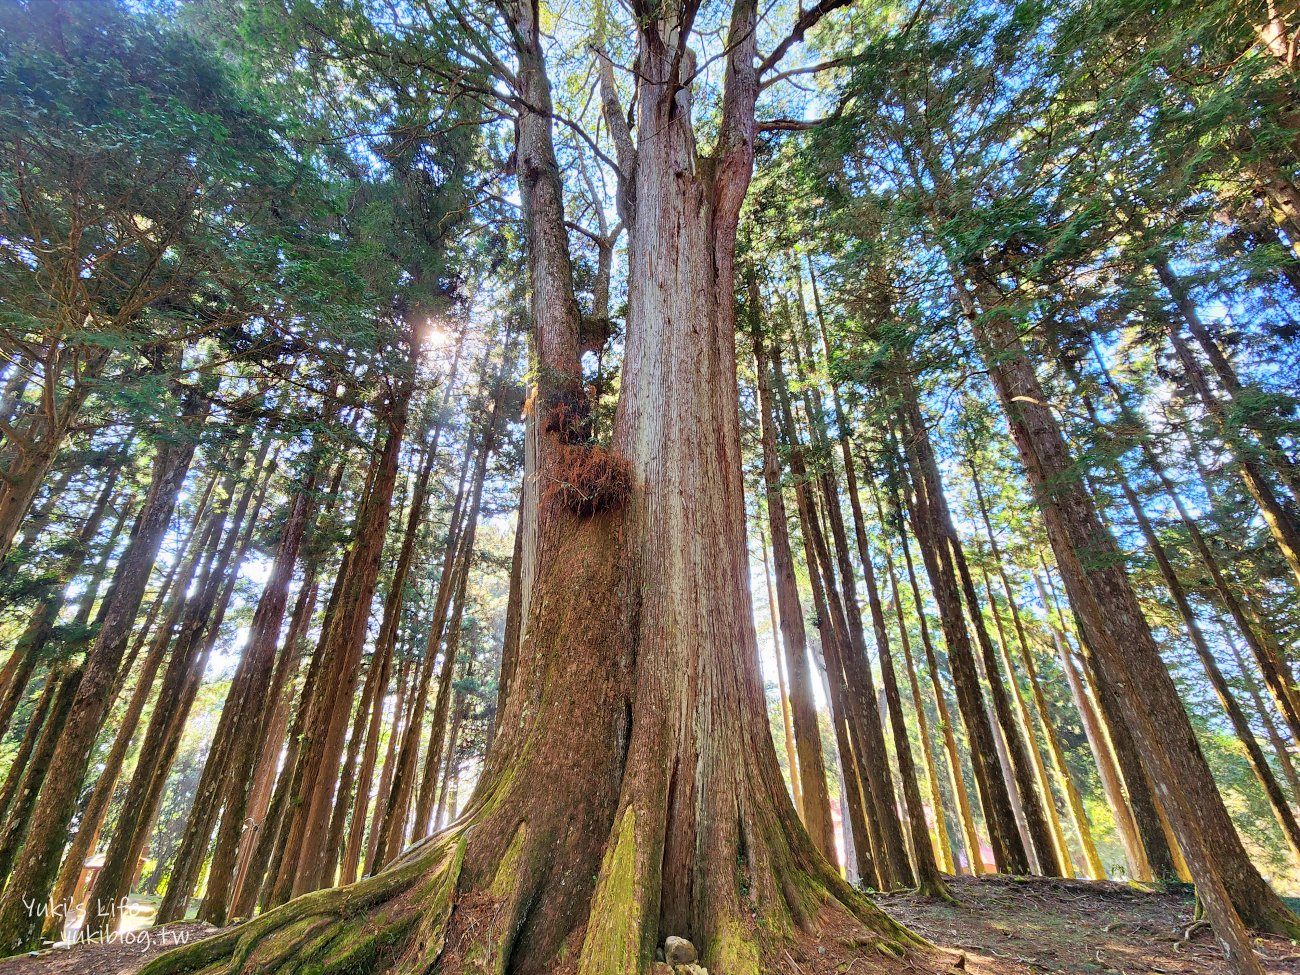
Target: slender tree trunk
[[857, 659], [1273, 452], [396, 806], [67, 889], [37, 866], [31, 643], [1240, 723], [974, 850], [811, 769], [258, 832], [387, 645], [858, 827], [228, 775], [1281, 525], [38, 765], [847, 664], [424, 801], [26, 745], [1273, 665], [930, 760], [34, 449], [1099, 741], [1280, 749], [1127, 658], [37, 522], [193, 643], [303, 863], [783, 693], [929, 526], [1020, 751], [927, 873], [1026, 727], [1060, 768], [404, 680]]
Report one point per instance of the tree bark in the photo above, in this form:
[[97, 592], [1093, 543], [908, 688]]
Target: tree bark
[[190, 650], [1227, 700], [945, 847], [1099, 742], [1060, 768], [782, 685], [1273, 664], [303, 862], [27, 651], [223, 790], [34, 452]]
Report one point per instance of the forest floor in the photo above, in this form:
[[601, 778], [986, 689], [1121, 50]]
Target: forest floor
[[1026, 926], [1000, 926]]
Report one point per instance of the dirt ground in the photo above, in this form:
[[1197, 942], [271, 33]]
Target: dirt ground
[[119, 956], [1017, 926], [1001, 926]]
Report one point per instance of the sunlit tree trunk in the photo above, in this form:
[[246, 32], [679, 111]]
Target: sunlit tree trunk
[[193, 643], [1240, 723], [1078, 814], [222, 793], [782, 685], [27, 650], [930, 525], [957, 778], [947, 861], [862, 755]]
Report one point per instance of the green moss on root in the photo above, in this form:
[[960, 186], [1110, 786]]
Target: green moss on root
[[734, 952], [339, 931], [613, 939]]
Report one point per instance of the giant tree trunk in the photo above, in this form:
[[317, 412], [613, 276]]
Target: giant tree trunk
[[636, 704]]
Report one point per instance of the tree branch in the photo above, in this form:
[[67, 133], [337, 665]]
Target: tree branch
[[805, 22]]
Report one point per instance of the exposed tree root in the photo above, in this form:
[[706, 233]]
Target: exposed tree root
[[411, 919], [395, 921]]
